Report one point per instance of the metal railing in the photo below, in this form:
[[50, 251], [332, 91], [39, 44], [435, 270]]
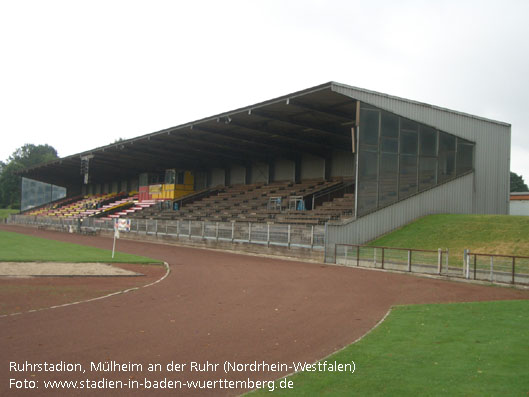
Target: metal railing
[[495, 268], [332, 193], [510, 269], [399, 259], [269, 234]]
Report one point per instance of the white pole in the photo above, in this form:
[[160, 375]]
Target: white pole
[[114, 246]]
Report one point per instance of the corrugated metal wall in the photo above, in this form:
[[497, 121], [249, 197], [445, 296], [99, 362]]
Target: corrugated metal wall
[[201, 180], [260, 173], [237, 175], [312, 167], [456, 196], [284, 170], [342, 164], [134, 185], [218, 176], [493, 143]]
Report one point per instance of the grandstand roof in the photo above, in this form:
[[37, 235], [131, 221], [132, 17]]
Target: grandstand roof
[[317, 120]]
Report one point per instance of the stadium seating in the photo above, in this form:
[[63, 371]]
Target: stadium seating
[[279, 202]]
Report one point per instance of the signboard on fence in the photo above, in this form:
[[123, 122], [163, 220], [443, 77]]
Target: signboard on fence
[[120, 225]]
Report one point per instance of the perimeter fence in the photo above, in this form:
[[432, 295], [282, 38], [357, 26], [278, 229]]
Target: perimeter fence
[[399, 259], [269, 234], [498, 268], [495, 268]]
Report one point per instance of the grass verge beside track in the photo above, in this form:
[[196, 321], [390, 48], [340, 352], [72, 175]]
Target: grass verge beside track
[[491, 234], [470, 349], [4, 213], [15, 247]]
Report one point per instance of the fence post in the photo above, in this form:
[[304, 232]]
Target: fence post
[[166, 222], [289, 237], [249, 232], [447, 262], [382, 258], [203, 228], [491, 269], [268, 234], [189, 236], [439, 260], [357, 255], [375, 257], [312, 236], [232, 231], [335, 257], [178, 228], [466, 270], [156, 227], [217, 231], [409, 260], [475, 260], [513, 265], [345, 255]]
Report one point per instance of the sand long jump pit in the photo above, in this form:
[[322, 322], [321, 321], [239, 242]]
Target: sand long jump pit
[[29, 286], [58, 269]]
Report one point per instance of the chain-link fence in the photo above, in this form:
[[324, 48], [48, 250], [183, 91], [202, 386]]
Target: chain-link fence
[[400, 259], [498, 268], [303, 236]]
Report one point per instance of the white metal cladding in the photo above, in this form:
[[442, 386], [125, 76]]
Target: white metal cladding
[[452, 197], [492, 138], [519, 207]]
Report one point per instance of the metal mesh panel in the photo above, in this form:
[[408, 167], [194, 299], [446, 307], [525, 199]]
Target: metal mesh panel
[[424, 262], [241, 231], [279, 234], [259, 232], [225, 230], [210, 230], [502, 269], [196, 228]]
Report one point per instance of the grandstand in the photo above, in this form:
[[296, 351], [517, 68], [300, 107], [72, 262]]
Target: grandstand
[[359, 162]]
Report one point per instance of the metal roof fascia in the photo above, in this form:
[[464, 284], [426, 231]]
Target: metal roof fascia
[[427, 105]]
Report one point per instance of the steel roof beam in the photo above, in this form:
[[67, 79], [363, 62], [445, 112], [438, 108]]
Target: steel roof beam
[[308, 126]]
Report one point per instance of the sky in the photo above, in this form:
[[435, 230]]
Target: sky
[[77, 75]]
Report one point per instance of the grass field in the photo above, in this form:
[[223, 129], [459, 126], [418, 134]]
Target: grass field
[[463, 349], [4, 213], [491, 234], [16, 247]]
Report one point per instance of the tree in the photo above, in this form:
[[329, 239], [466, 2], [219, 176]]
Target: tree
[[517, 183], [25, 156]]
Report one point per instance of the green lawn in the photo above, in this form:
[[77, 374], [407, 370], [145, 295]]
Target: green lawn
[[4, 213], [463, 349], [492, 234], [15, 247]]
